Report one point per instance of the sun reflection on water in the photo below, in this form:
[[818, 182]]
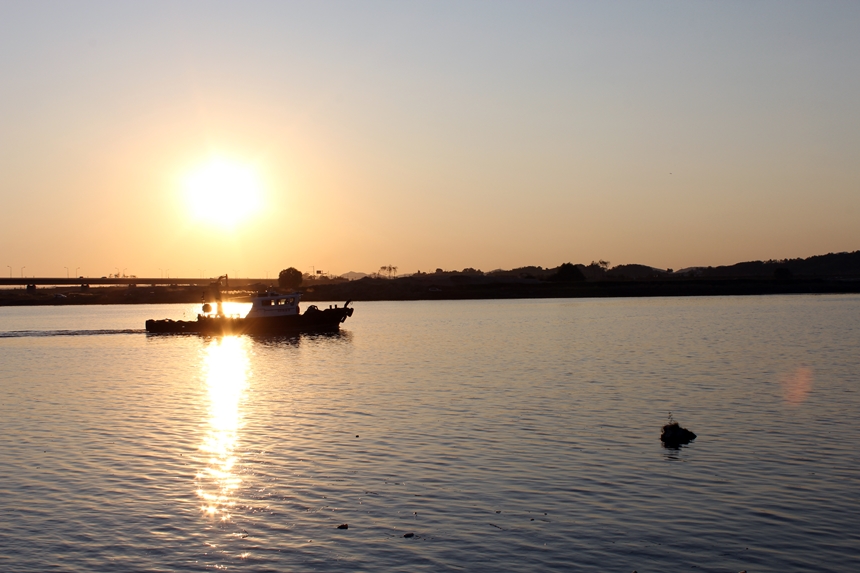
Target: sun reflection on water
[[225, 368]]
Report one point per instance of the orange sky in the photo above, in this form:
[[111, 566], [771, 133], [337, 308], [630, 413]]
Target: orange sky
[[486, 135]]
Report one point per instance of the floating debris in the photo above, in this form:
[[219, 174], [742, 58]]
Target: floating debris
[[674, 435], [343, 526], [408, 535]]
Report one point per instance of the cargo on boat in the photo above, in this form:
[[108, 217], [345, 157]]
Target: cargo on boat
[[271, 313]]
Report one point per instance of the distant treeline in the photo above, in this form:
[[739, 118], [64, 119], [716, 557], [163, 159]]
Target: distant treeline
[[832, 273], [832, 265]]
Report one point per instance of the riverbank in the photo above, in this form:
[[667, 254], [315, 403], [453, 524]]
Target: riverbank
[[411, 289], [448, 288]]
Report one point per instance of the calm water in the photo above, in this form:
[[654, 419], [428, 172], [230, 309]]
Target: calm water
[[505, 435]]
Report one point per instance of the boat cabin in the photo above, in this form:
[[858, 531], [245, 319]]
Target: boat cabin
[[274, 304]]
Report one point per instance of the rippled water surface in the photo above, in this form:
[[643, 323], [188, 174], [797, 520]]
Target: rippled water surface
[[503, 435]]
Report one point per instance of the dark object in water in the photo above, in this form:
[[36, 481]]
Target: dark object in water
[[343, 526], [674, 435], [271, 313], [408, 535]]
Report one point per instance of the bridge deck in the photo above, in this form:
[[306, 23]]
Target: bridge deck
[[56, 281]]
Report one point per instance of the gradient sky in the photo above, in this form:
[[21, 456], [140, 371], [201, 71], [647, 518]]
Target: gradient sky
[[424, 135]]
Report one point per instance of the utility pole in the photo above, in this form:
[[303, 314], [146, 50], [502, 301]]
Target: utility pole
[[67, 271], [76, 271], [161, 272], [123, 271], [22, 272], [10, 271]]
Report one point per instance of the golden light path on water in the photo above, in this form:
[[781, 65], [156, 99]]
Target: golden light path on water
[[225, 368]]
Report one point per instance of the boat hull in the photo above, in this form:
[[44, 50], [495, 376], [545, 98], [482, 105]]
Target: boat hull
[[326, 320]]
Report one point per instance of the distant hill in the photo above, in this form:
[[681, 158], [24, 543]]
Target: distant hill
[[635, 272], [523, 273], [831, 265], [354, 276]]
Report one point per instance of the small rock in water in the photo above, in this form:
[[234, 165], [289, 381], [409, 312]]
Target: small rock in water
[[408, 535], [343, 526], [674, 435]]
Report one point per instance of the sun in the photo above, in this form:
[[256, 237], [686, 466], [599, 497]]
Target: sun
[[223, 192]]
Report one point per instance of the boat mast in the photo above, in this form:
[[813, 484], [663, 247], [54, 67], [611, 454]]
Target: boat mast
[[215, 293]]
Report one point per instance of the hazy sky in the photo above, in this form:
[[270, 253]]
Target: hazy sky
[[426, 134]]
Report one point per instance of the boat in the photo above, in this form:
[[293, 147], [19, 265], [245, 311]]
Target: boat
[[271, 313]]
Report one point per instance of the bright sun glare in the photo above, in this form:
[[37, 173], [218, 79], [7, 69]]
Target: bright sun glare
[[223, 192]]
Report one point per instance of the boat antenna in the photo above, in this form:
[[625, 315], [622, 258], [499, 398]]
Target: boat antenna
[[218, 297]]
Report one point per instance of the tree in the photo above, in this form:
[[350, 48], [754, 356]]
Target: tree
[[388, 269], [290, 278], [567, 272]]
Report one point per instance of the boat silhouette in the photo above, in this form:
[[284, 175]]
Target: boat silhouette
[[271, 313]]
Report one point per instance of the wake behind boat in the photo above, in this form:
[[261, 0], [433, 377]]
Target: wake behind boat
[[271, 313]]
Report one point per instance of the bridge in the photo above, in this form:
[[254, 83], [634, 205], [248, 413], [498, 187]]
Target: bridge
[[80, 281]]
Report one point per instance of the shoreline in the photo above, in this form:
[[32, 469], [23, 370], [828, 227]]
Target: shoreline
[[416, 289]]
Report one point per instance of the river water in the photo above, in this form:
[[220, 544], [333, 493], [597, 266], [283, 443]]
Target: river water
[[502, 435]]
